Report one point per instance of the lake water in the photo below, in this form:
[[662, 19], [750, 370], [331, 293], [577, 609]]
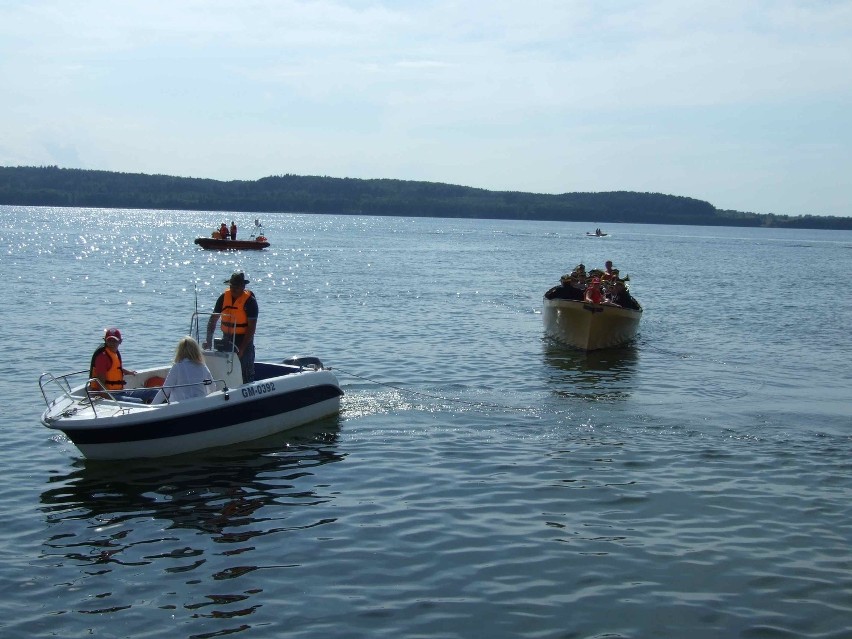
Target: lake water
[[480, 481]]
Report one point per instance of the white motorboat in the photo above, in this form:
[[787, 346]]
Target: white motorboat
[[587, 326], [103, 426]]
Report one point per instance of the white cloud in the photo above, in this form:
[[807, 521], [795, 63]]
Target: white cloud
[[551, 96]]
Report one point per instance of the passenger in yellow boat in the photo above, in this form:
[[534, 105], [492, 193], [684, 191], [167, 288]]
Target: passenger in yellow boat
[[579, 274], [609, 273], [570, 287], [620, 295], [565, 290], [594, 294], [617, 292], [187, 377], [577, 283]]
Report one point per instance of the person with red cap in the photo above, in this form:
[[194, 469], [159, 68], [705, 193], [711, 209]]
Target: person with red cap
[[594, 294], [107, 370]]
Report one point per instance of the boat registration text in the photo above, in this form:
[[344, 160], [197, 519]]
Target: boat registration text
[[258, 389]]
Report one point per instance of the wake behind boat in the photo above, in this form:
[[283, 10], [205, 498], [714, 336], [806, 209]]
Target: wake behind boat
[[104, 426], [572, 318]]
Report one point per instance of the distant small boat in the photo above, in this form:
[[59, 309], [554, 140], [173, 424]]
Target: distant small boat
[[257, 243], [596, 234]]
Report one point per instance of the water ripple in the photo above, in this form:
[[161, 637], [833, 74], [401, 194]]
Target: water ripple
[[480, 480]]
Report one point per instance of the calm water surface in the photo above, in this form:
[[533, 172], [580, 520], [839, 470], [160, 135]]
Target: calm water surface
[[480, 481]]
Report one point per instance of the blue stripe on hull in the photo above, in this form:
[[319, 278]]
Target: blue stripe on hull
[[207, 420]]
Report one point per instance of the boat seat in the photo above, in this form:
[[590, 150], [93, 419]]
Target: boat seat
[[155, 381], [223, 367]]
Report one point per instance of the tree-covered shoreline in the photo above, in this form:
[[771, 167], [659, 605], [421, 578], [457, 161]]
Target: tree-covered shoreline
[[54, 186]]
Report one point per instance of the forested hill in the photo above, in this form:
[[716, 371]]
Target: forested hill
[[52, 186]]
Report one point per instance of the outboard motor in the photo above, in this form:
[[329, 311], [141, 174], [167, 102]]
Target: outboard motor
[[311, 363]]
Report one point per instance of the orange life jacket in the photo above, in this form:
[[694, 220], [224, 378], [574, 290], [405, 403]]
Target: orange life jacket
[[234, 318], [114, 377]]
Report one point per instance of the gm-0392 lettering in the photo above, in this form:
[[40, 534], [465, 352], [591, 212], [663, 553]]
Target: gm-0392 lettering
[[258, 389]]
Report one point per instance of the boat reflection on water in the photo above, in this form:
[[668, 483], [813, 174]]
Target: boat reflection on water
[[213, 493], [595, 375], [210, 521]]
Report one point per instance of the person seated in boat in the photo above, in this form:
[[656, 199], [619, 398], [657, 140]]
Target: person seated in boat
[[223, 231], [570, 287], [555, 293], [107, 370], [564, 290], [594, 293], [576, 283], [618, 294], [188, 377], [609, 273], [621, 294], [608, 278]]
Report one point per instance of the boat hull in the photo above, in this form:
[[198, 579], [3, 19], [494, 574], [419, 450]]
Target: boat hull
[[122, 430], [213, 243], [587, 326]]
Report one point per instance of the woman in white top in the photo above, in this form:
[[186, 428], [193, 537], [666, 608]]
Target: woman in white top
[[187, 376]]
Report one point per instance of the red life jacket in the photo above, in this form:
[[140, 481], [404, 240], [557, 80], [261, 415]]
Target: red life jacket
[[594, 295]]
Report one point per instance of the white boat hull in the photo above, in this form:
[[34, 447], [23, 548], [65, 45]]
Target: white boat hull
[[587, 326], [106, 429], [236, 434]]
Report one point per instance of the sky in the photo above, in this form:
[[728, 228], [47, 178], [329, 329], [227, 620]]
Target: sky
[[745, 104]]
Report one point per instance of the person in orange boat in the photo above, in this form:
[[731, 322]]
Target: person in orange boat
[[594, 294]]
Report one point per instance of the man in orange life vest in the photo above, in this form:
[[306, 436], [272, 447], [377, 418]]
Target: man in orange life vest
[[107, 367], [238, 310]]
